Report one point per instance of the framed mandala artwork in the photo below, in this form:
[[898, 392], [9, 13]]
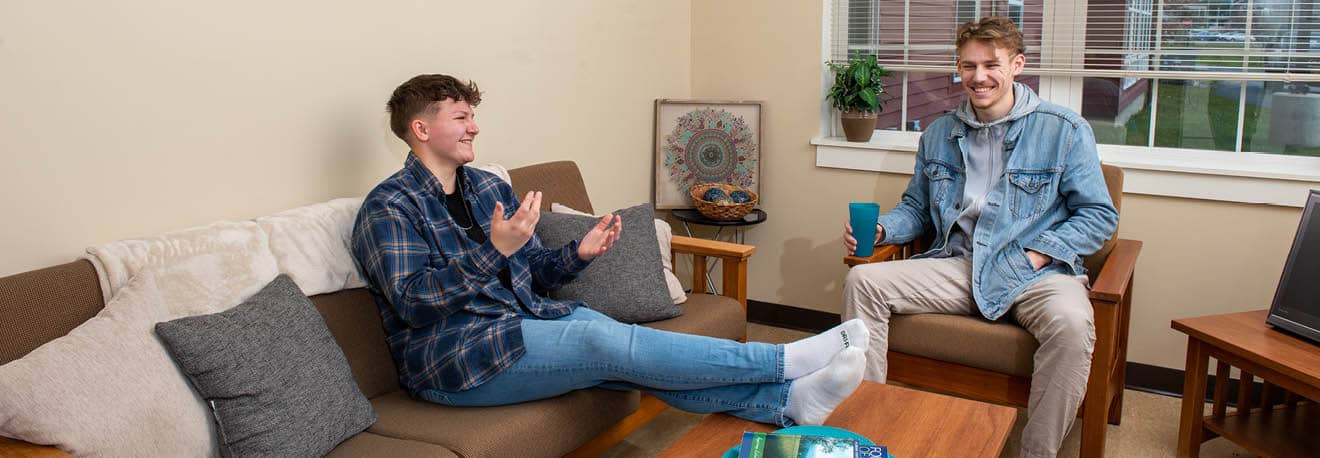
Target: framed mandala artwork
[[703, 141]]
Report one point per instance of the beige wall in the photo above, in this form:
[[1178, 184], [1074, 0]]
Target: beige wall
[[137, 117], [1200, 257], [134, 117]]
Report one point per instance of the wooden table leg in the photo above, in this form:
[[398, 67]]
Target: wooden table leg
[[1245, 382], [1221, 389], [1190, 426]]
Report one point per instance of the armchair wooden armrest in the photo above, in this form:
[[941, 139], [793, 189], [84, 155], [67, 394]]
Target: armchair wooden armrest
[[881, 253], [19, 449], [1115, 277], [734, 261]]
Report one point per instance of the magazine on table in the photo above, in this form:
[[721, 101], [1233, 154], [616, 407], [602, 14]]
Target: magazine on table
[[771, 445]]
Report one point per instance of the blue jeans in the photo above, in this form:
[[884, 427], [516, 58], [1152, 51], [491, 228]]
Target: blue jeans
[[587, 349]]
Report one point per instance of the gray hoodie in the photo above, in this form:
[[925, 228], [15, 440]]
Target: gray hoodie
[[983, 160]]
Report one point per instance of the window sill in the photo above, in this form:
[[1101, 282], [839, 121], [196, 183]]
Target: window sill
[[1230, 177]]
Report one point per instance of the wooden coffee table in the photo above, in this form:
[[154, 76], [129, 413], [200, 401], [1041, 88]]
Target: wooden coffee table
[[911, 423]]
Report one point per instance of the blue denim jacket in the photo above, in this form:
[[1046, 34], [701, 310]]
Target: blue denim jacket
[[1051, 198]]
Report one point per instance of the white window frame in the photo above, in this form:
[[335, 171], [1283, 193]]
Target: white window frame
[[1246, 177], [1138, 39], [1021, 10]]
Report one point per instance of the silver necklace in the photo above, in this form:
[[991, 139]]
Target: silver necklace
[[467, 210]]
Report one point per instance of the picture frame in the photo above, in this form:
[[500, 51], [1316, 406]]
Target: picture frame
[[704, 141]]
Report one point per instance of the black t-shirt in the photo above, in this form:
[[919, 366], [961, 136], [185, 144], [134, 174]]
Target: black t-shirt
[[461, 212]]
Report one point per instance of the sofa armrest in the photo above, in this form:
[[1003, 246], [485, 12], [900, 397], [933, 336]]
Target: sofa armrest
[[733, 258], [19, 449], [703, 247]]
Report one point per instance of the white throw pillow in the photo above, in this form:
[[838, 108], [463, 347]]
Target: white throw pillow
[[313, 244], [108, 388], [498, 170], [665, 237]]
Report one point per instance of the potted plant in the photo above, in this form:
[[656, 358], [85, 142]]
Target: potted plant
[[857, 95]]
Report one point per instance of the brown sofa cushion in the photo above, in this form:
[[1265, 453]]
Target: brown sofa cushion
[[553, 426], [372, 445], [38, 306], [1000, 346], [558, 181], [354, 320], [708, 315]]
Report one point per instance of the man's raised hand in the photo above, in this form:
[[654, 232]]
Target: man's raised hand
[[509, 235], [601, 237]]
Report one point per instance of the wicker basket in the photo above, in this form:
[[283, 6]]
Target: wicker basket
[[722, 211]]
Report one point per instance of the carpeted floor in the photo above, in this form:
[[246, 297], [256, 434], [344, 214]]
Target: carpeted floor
[[1149, 429]]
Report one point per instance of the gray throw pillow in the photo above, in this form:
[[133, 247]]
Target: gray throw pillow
[[626, 283], [277, 381]]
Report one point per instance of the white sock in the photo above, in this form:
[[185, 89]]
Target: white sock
[[811, 399], [810, 354]]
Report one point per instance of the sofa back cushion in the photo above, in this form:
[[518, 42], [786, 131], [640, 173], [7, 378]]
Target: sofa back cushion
[[354, 321], [41, 305], [38, 306], [558, 181]]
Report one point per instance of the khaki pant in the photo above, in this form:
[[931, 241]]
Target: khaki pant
[[1055, 309]]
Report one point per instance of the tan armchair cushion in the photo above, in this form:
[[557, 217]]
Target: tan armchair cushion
[[1000, 346]]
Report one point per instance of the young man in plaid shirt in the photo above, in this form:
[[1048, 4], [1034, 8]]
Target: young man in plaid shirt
[[450, 256]]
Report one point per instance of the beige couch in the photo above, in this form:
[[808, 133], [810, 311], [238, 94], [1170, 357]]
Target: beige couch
[[41, 305]]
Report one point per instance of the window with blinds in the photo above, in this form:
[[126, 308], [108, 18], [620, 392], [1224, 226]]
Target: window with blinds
[[1222, 75], [1185, 39]]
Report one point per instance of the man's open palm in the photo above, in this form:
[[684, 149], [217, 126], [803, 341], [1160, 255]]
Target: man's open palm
[[600, 238], [509, 235]]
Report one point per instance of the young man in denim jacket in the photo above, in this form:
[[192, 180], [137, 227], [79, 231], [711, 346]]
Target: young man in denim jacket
[[1012, 188]]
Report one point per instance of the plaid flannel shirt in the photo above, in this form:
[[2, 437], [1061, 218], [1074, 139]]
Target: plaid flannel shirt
[[449, 322]]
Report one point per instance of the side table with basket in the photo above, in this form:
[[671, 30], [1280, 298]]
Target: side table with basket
[[721, 215]]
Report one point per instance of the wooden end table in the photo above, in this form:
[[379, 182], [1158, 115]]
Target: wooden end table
[[911, 423], [692, 216], [1271, 428]]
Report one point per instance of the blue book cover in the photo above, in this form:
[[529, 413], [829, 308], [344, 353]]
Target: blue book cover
[[770, 445]]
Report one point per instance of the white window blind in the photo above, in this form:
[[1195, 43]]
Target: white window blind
[[1261, 40]]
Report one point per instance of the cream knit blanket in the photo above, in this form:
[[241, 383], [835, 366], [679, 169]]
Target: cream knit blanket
[[213, 268]]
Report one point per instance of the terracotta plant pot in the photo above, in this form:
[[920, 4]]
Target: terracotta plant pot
[[858, 125]]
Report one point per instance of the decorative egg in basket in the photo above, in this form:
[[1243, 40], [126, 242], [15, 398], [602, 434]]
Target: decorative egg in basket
[[714, 195], [723, 202]]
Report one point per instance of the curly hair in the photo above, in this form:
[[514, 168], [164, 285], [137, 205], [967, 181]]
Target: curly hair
[[422, 95], [995, 29]]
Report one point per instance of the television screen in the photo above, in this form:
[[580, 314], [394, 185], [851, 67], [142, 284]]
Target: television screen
[[1296, 305]]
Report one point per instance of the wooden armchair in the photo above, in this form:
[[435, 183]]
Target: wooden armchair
[[992, 360]]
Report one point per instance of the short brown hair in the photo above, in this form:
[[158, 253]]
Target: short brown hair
[[998, 30], [422, 94]]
